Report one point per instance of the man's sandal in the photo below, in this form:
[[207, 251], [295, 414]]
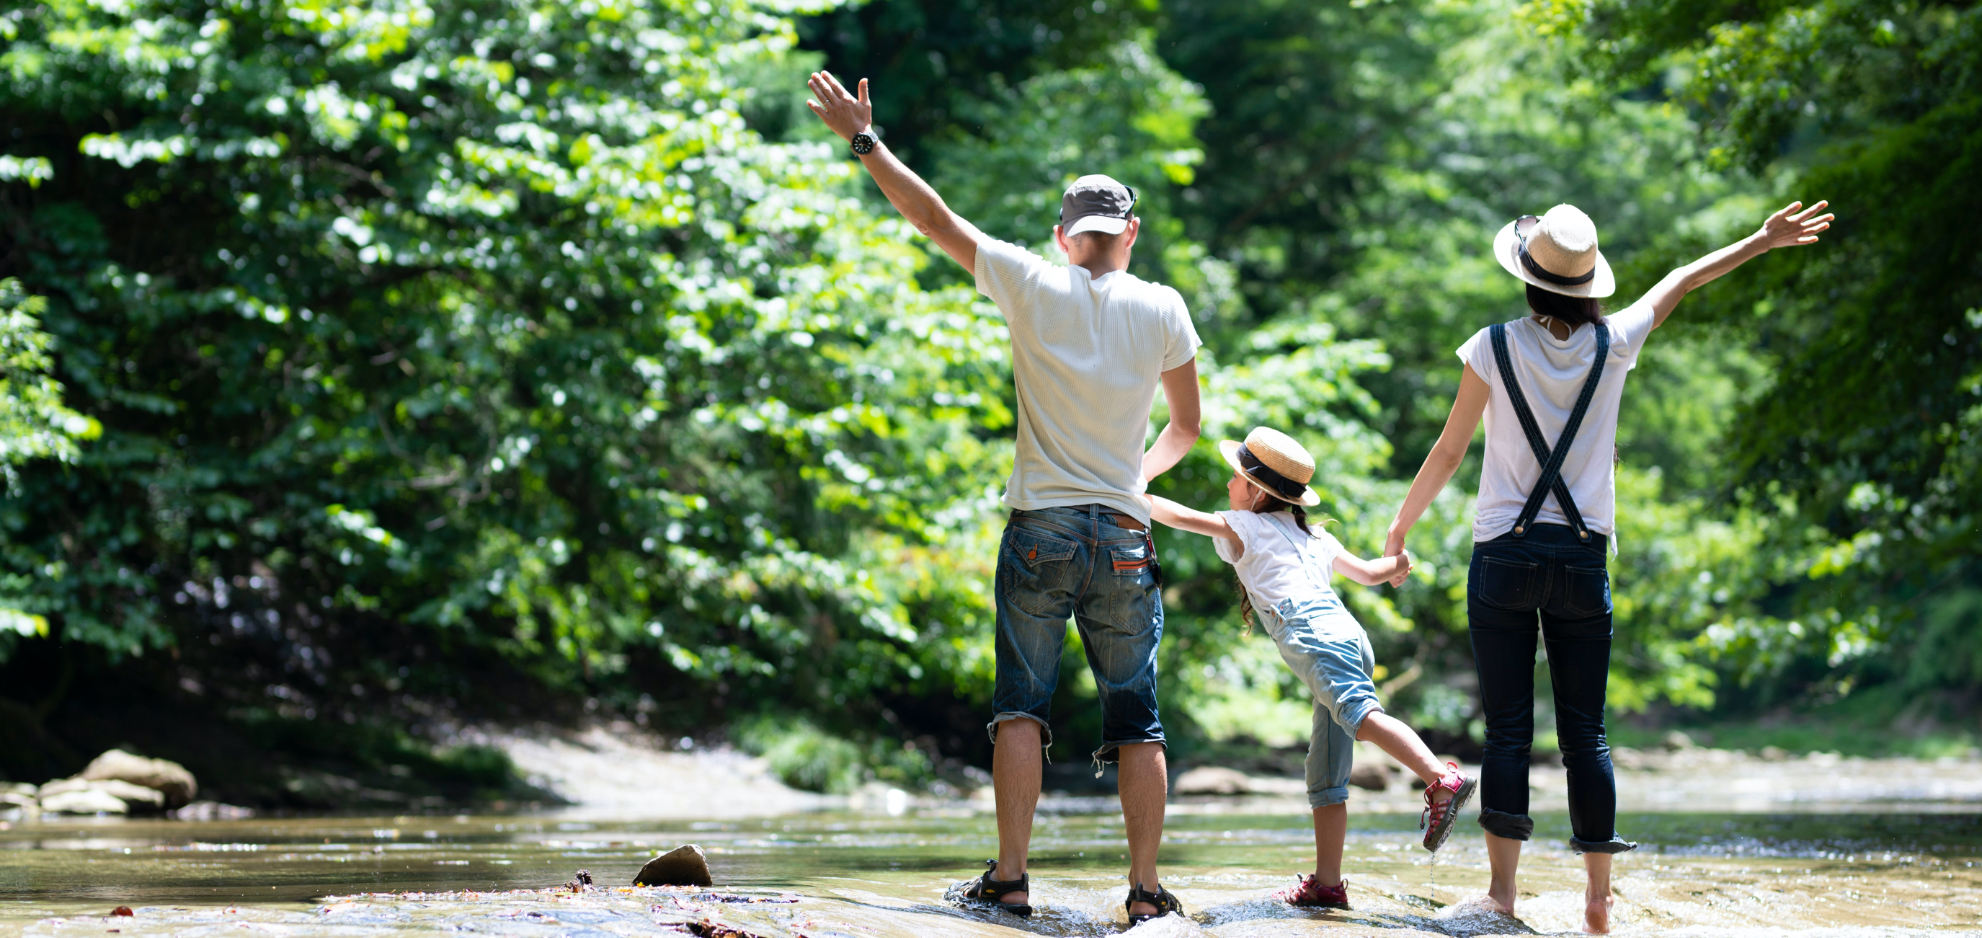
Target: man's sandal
[[987, 890], [1164, 902], [1437, 820]]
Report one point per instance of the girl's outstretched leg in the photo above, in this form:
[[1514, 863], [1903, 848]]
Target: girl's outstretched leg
[[1596, 897], [1393, 737]]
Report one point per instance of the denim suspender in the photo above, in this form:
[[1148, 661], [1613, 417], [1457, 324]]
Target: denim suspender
[[1551, 478]]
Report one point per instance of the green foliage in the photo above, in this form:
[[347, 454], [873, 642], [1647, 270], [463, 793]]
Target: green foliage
[[1868, 433], [488, 325], [437, 341]]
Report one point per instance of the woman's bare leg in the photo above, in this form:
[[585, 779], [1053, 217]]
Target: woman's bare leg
[[1597, 898], [1503, 857], [1331, 830], [1392, 736]]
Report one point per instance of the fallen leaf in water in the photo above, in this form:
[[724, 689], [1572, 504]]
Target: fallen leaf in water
[[122, 910]]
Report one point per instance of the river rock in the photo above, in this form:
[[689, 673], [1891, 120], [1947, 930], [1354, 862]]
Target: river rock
[[1212, 780], [84, 801], [685, 865], [1374, 776], [169, 778]]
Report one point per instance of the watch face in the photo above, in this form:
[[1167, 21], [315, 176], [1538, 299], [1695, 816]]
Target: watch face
[[863, 143]]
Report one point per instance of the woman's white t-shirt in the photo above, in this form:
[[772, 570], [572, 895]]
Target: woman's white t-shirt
[[1551, 372], [1281, 561]]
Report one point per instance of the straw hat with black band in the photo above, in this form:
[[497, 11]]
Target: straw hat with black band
[[1556, 252], [1275, 463]]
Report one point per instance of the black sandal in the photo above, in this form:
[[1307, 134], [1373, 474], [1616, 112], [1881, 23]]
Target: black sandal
[[988, 890], [1164, 902]]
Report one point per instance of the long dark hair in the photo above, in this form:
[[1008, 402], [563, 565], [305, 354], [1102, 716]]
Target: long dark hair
[[1300, 520], [1574, 310]]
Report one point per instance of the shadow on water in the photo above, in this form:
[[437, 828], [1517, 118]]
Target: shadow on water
[[879, 875]]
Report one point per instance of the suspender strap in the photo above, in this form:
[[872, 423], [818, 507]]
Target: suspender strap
[[1551, 477]]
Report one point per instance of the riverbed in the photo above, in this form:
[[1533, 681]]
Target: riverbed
[[882, 875]]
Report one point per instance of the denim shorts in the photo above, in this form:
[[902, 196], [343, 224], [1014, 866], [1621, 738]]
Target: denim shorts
[[1057, 563], [1330, 653]]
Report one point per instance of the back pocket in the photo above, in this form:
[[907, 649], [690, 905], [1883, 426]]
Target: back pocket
[[1585, 592], [1035, 573], [1505, 584]]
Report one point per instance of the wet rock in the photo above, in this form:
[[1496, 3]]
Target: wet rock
[[169, 778], [1676, 741], [84, 801], [685, 865], [1374, 776], [212, 811], [134, 797], [17, 795], [1212, 780]]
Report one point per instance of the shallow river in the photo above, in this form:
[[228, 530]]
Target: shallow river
[[882, 876]]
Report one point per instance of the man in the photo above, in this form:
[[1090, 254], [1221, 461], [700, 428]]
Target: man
[[1090, 343]]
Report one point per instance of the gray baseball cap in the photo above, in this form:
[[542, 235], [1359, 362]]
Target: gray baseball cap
[[1096, 203]]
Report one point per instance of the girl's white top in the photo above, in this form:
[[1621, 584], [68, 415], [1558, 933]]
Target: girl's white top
[[1552, 372], [1281, 561]]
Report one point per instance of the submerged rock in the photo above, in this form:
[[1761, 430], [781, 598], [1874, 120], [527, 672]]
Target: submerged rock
[[169, 778], [685, 865], [84, 801]]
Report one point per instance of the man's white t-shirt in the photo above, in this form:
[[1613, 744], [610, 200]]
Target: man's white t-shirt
[[1551, 372], [1281, 561], [1087, 355]]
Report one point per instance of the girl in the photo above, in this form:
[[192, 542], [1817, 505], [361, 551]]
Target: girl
[[1549, 390], [1284, 568]]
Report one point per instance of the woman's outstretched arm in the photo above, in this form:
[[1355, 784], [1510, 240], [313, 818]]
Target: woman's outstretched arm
[[1444, 460], [1792, 226]]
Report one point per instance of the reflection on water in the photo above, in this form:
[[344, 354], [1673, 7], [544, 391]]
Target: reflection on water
[[876, 875]]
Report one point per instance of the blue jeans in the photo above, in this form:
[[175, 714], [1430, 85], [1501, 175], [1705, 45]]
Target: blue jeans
[[1057, 563], [1329, 651], [1552, 578]]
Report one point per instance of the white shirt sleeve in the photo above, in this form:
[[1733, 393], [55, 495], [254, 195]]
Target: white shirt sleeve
[[1327, 548], [1007, 274], [1629, 328], [1239, 522], [1478, 353], [1182, 342]]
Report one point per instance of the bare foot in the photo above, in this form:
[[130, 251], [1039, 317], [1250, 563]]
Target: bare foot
[[1596, 916], [1496, 903]]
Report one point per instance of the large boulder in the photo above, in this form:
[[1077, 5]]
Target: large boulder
[[685, 865], [134, 797], [169, 778], [83, 801]]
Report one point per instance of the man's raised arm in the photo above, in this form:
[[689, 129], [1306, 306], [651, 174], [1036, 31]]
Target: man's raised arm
[[848, 115]]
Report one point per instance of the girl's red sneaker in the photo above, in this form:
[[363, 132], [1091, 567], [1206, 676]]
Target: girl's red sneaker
[[1311, 894], [1439, 815]]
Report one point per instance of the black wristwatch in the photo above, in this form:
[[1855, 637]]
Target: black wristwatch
[[863, 142]]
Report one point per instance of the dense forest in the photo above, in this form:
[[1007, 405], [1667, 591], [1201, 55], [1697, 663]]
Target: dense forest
[[379, 370]]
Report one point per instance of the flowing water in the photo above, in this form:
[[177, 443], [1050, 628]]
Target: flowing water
[[878, 875]]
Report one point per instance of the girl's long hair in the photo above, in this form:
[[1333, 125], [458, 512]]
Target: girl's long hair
[[1300, 520], [1574, 310]]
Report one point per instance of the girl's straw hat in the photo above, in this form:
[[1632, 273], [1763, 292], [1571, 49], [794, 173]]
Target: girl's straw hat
[[1274, 462], [1557, 252]]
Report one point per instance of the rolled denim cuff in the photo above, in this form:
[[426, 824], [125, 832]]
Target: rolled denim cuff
[[1328, 796], [1510, 826], [1615, 844], [1045, 732], [1356, 711], [1111, 751]]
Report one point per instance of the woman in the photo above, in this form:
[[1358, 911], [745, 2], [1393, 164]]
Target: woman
[[1549, 389]]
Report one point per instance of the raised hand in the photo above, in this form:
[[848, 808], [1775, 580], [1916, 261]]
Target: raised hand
[[1790, 227], [844, 113]]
